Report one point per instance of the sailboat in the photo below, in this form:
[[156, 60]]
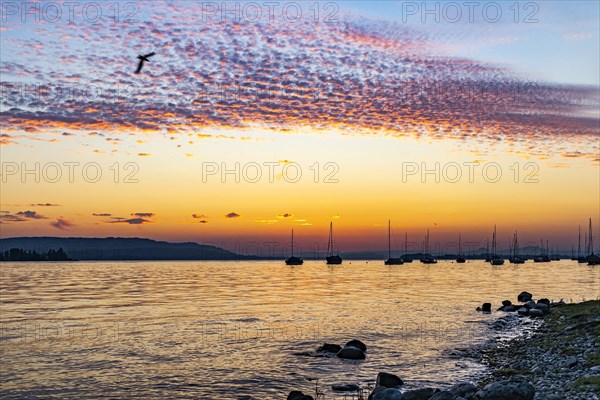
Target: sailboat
[[580, 259], [331, 258], [554, 256], [406, 258], [543, 256], [460, 258], [592, 259], [495, 259], [294, 260], [487, 250], [390, 260], [427, 258], [515, 259]]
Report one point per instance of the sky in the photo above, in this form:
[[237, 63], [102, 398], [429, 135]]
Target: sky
[[253, 119]]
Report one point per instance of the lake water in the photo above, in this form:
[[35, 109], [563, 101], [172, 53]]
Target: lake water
[[226, 330]]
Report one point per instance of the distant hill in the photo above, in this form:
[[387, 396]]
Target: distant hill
[[114, 248]]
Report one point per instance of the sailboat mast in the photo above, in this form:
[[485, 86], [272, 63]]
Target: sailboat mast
[[329, 241], [389, 240], [591, 240], [579, 243], [427, 241], [494, 242]]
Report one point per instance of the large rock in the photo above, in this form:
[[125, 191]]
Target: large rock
[[544, 301], [523, 311], [443, 395], [386, 394], [530, 304], [507, 390], [389, 380], [535, 313], [330, 348], [524, 297], [486, 307], [351, 353], [358, 344], [463, 389], [545, 308], [418, 394], [298, 395], [507, 303]]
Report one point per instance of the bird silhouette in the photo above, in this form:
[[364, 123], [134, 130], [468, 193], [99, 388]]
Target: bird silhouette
[[142, 59]]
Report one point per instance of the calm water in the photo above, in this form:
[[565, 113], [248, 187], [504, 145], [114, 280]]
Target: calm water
[[225, 330]]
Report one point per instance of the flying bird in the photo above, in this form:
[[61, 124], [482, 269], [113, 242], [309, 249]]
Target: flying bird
[[142, 59]]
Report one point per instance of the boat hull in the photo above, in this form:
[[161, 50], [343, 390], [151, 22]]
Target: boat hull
[[394, 261], [333, 260], [294, 261], [593, 259]]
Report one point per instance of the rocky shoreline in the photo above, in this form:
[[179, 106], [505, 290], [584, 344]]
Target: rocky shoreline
[[552, 354]]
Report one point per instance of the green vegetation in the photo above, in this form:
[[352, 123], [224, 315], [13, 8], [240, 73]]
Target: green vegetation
[[591, 383], [593, 361]]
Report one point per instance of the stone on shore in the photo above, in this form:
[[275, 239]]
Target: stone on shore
[[351, 353], [418, 394], [535, 313], [506, 303], [463, 389], [443, 395], [524, 297], [389, 380], [530, 304], [485, 307], [544, 301], [523, 311], [507, 390], [543, 307], [383, 393]]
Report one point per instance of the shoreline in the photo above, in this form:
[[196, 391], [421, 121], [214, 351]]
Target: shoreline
[[559, 357], [553, 357]]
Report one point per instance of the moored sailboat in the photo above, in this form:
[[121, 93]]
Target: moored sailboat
[[294, 260], [592, 259], [406, 258], [391, 260], [514, 258], [495, 259], [460, 258], [427, 258], [332, 259]]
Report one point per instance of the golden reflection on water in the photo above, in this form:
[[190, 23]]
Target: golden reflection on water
[[227, 329]]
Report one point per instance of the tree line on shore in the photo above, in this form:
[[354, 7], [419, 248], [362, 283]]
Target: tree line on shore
[[16, 254]]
